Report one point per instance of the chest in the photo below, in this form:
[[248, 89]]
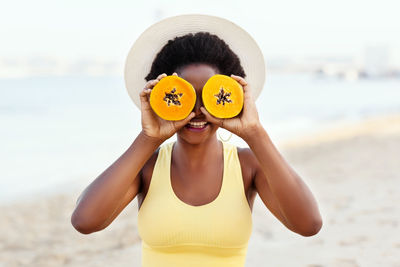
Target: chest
[[199, 186]]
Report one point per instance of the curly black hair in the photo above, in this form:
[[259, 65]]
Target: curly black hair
[[201, 47]]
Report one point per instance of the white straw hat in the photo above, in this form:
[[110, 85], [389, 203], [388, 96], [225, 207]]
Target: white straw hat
[[150, 42]]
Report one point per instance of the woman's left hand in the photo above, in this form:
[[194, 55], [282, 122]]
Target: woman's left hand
[[246, 122]]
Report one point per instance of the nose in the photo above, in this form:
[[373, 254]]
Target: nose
[[198, 105]]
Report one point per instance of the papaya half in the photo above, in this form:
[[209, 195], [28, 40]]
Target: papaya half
[[222, 96], [172, 98]]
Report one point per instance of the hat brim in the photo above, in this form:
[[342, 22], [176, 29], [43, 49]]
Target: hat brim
[[150, 42]]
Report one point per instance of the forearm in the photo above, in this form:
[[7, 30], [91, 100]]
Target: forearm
[[103, 196], [296, 201]]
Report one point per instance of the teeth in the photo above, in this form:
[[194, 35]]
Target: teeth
[[197, 124]]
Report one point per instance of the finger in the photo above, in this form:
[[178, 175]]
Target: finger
[[145, 93], [161, 76], [244, 84], [211, 118], [154, 82], [151, 83], [181, 123], [144, 98], [175, 74], [239, 79]]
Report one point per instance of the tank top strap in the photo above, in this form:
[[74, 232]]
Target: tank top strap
[[159, 179]]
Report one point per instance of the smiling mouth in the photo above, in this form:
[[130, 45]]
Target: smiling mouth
[[197, 124]]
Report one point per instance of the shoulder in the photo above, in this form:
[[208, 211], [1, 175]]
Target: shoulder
[[147, 170], [248, 164], [247, 157]]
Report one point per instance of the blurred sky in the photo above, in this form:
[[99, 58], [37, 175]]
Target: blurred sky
[[106, 29]]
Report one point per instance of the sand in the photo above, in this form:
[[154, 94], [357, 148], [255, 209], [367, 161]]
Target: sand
[[353, 171]]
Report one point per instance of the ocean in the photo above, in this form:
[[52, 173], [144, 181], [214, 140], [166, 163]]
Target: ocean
[[58, 132]]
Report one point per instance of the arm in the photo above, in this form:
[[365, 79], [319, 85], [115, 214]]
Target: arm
[[109, 193], [279, 187], [102, 201]]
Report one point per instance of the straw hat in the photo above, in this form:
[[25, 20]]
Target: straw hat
[[150, 42]]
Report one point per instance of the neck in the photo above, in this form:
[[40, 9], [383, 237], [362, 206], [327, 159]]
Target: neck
[[197, 155]]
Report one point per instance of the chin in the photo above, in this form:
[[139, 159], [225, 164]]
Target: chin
[[195, 136]]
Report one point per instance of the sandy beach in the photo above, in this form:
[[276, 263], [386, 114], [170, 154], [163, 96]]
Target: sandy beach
[[353, 170]]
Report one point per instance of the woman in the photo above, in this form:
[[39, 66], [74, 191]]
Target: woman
[[195, 195]]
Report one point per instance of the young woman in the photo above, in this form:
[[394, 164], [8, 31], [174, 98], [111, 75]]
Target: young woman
[[196, 195]]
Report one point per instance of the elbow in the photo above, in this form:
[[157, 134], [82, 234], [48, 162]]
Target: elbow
[[312, 228], [81, 225]]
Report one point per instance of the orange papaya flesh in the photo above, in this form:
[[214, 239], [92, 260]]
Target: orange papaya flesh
[[172, 98], [222, 96]]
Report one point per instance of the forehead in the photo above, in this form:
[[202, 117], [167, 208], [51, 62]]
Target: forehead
[[197, 74]]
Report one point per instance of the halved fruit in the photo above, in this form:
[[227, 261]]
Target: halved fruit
[[222, 96], [172, 98]]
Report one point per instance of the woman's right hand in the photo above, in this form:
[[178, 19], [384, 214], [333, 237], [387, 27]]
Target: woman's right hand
[[152, 125]]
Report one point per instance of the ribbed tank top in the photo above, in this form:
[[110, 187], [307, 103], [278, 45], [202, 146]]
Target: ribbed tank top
[[177, 234]]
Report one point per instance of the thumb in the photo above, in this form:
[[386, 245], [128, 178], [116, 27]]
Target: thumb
[[181, 123], [211, 118]]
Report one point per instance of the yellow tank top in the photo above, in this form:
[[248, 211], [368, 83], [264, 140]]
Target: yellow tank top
[[177, 234]]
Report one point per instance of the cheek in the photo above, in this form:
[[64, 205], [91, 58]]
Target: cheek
[[213, 128]]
